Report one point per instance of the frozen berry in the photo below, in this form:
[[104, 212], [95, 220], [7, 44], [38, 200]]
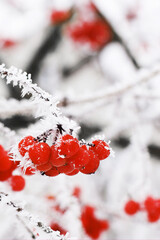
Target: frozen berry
[[5, 163], [92, 165], [55, 159], [74, 172], [29, 171], [67, 146], [100, 148], [57, 227], [66, 169], [45, 167], [59, 16], [132, 207], [52, 172], [24, 144], [39, 153], [17, 183], [80, 159]]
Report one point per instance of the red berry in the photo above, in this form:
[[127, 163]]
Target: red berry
[[25, 144], [80, 159], [55, 159], [74, 172], [29, 171], [45, 167], [57, 227], [67, 146], [7, 43], [17, 183], [92, 165], [5, 175], [76, 192], [59, 16], [52, 172], [153, 209], [149, 204], [132, 207], [153, 216], [39, 153], [66, 169], [100, 149], [92, 226], [5, 163]]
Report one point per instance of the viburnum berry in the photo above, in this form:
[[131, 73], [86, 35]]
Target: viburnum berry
[[55, 159], [5, 175], [80, 159], [132, 207], [59, 16], [52, 172], [45, 167], [39, 153], [92, 226], [152, 207], [92, 165], [29, 171], [76, 192], [101, 149], [96, 33], [24, 144], [57, 227], [68, 146], [74, 172], [17, 183], [67, 168], [5, 162]]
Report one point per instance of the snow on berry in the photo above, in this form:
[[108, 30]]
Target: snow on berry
[[39, 153], [55, 159], [101, 149], [25, 144]]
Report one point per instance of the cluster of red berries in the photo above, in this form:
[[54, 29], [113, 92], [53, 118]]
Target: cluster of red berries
[[91, 224], [96, 33], [67, 155], [150, 205], [7, 166]]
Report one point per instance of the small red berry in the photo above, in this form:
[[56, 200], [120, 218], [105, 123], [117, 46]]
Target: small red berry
[[74, 172], [57, 227], [5, 175], [29, 171], [132, 207], [101, 148], [39, 153], [25, 144], [5, 163], [92, 165], [55, 159], [153, 216], [52, 172], [67, 146], [66, 169], [45, 167], [59, 16], [76, 192], [80, 159], [17, 183]]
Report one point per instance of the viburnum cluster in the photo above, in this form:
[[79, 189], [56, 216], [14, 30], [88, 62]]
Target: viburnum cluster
[[67, 155], [7, 166], [150, 205]]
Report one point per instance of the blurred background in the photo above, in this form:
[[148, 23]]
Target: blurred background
[[82, 52]]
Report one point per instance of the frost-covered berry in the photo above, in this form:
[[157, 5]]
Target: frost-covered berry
[[132, 207], [52, 172], [25, 144], [80, 159], [55, 159], [39, 153], [5, 162], [45, 167], [66, 169], [17, 183], [92, 165], [74, 172], [67, 146], [101, 149]]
